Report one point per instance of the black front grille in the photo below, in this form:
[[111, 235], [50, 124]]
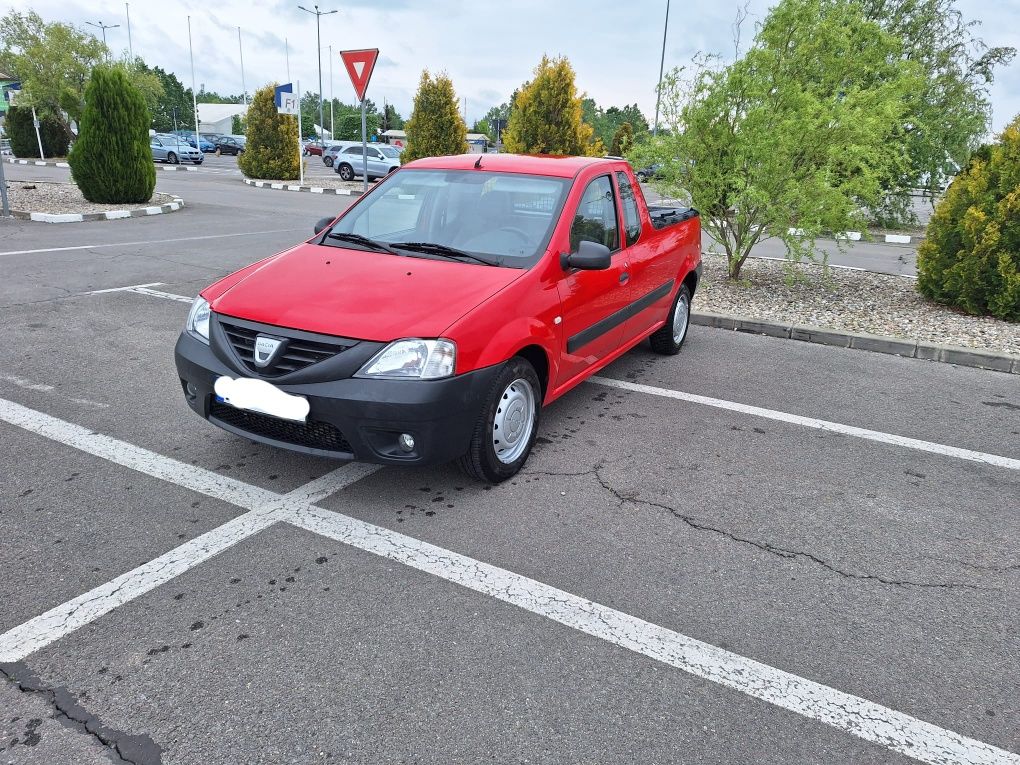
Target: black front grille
[[297, 353], [312, 435]]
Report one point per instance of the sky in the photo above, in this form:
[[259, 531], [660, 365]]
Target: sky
[[487, 47]]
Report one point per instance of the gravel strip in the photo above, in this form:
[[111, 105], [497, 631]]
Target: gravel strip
[[59, 198], [852, 301], [323, 182]]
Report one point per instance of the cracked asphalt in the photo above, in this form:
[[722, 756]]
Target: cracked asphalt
[[881, 571]]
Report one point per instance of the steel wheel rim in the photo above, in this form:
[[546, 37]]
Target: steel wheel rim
[[514, 421], [680, 319]]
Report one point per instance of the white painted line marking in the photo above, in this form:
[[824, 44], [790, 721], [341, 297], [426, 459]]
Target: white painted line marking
[[811, 422], [21, 382], [332, 482], [144, 289], [851, 714], [123, 289], [54, 624], [150, 241]]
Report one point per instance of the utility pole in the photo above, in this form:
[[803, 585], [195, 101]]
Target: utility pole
[[4, 205], [286, 52], [332, 130], [194, 101], [662, 61], [103, 27], [127, 10], [244, 88], [318, 54]]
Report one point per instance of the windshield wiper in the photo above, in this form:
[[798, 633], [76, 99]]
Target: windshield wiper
[[364, 241], [434, 248]]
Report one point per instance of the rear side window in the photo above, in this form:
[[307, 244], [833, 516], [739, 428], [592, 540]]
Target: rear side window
[[354, 150], [595, 218], [631, 219]]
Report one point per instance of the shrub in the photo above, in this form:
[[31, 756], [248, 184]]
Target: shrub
[[435, 128], [623, 139], [547, 116], [970, 258], [272, 147], [111, 161], [22, 134]]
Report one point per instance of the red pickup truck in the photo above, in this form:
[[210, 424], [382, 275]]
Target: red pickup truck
[[435, 317]]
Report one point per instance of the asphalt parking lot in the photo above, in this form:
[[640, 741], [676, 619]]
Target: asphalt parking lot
[[758, 551]]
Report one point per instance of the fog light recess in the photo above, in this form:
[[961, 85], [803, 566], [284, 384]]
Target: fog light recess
[[406, 442]]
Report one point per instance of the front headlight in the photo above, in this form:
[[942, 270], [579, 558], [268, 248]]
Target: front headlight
[[198, 319], [413, 360]]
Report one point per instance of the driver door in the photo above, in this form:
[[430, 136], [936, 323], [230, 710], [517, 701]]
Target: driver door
[[593, 303]]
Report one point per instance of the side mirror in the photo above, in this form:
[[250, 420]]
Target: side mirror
[[324, 223], [590, 256]]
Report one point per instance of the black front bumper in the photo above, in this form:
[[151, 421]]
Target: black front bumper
[[350, 418]]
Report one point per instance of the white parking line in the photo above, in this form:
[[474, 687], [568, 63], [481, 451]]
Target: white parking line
[[150, 241], [867, 720], [144, 289], [332, 482], [811, 422]]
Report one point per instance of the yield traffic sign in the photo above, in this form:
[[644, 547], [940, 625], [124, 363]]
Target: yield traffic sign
[[360, 64]]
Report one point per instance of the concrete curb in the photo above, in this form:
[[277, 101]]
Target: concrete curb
[[141, 212], [294, 187], [856, 236], [40, 162], [179, 167], [896, 346]]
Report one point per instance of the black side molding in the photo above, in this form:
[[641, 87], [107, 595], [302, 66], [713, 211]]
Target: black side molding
[[614, 320]]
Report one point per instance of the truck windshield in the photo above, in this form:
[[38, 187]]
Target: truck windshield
[[505, 218]]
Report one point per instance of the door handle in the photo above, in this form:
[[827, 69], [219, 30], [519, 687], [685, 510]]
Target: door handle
[[624, 277]]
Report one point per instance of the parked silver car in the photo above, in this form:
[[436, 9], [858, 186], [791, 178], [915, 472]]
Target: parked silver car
[[173, 149], [382, 160]]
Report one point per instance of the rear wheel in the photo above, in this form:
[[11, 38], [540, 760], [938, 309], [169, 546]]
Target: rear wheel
[[346, 172], [327, 161], [669, 338], [506, 426]]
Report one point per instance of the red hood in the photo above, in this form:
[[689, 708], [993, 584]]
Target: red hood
[[353, 293]]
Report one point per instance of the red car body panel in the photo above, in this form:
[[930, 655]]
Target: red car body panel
[[492, 314]]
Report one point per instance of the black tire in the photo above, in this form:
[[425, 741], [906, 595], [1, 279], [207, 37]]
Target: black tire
[[171, 158], [345, 171], [664, 340], [327, 161], [481, 461]]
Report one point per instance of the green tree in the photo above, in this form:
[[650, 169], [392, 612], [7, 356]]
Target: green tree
[[623, 139], [147, 82], [606, 122], [111, 161], [435, 128], [348, 126], [390, 119], [970, 257], [482, 127], [272, 148], [52, 61], [792, 135], [24, 143], [547, 115], [947, 114]]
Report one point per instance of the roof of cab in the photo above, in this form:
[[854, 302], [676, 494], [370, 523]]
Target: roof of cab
[[532, 164]]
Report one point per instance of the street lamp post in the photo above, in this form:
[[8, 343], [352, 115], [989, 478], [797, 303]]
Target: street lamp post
[[244, 88], [318, 54], [662, 61], [103, 27], [127, 10]]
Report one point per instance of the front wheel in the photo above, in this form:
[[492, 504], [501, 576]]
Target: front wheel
[[346, 172], [669, 338], [171, 158], [506, 426]]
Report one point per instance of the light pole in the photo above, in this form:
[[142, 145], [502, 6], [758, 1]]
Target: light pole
[[662, 61], [127, 10], [103, 27], [318, 54], [244, 88]]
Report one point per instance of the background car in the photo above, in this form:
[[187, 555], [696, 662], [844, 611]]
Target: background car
[[312, 148], [329, 155], [382, 160], [647, 173], [228, 144], [174, 149], [204, 144]]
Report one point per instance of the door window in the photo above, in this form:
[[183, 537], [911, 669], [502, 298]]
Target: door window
[[595, 218], [354, 150], [631, 218]]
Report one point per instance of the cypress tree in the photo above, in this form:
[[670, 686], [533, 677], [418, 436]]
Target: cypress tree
[[623, 139], [272, 148], [22, 134], [547, 117], [111, 161], [435, 128]]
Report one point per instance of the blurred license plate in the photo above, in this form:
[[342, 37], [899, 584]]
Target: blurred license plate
[[261, 396]]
